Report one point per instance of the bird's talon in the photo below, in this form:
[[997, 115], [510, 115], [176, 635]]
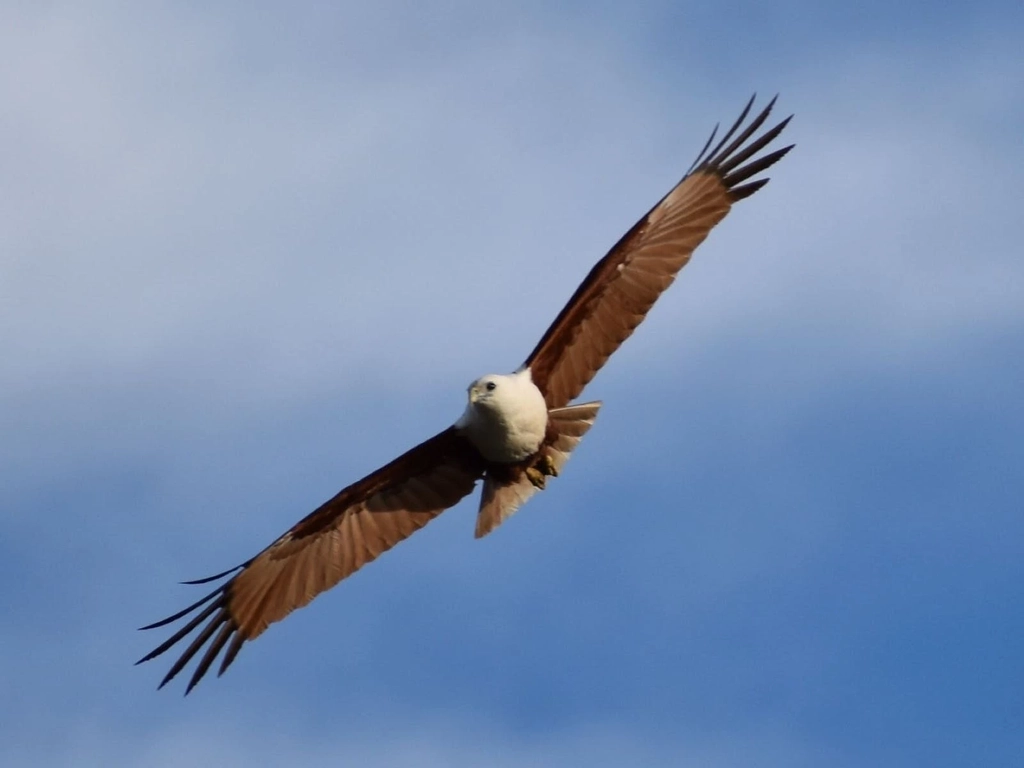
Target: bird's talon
[[547, 466], [536, 477]]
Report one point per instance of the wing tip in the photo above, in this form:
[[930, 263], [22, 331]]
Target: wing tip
[[215, 615], [216, 576], [736, 162]]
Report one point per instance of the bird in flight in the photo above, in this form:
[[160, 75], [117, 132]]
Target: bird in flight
[[517, 430]]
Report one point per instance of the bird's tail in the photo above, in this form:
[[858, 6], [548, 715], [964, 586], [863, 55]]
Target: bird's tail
[[504, 495]]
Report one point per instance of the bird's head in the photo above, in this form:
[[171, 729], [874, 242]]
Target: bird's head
[[505, 399], [487, 390]]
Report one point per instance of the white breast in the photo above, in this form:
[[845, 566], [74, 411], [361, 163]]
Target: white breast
[[507, 421]]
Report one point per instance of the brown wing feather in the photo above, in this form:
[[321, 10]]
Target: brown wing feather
[[342, 535], [622, 287]]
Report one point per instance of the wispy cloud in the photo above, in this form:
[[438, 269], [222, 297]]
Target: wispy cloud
[[181, 213], [245, 256]]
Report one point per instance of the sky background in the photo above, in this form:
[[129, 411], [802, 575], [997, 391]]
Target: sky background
[[249, 253]]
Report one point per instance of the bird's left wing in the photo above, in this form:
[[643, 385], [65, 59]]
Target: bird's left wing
[[623, 286], [348, 531]]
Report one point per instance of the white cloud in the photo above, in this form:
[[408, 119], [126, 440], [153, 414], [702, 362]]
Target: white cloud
[[191, 245], [223, 255], [175, 218]]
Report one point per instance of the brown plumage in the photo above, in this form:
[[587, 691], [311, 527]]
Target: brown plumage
[[375, 513], [623, 286], [332, 542]]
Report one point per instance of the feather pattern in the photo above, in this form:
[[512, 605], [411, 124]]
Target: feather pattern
[[335, 540], [373, 514], [622, 287]]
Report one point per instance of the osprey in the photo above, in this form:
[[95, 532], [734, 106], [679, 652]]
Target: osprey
[[517, 429]]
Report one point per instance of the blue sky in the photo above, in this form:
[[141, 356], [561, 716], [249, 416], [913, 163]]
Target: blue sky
[[249, 254]]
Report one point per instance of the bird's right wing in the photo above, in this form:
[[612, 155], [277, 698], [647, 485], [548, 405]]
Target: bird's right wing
[[353, 528]]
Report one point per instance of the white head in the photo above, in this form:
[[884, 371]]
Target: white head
[[491, 391]]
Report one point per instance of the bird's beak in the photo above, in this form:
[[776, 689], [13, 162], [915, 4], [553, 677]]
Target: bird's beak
[[474, 395]]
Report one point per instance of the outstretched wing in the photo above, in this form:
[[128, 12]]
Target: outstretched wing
[[623, 286], [338, 538]]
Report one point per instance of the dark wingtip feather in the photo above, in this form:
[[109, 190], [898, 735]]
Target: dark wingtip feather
[[700, 155], [216, 616], [736, 161], [742, 155], [746, 190], [199, 641], [717, 151], [184, 611], [181, 633], [212, 651], [229, 655], [221, 575], [754, 168]]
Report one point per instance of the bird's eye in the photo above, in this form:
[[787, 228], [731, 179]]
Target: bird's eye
[[490, 386]]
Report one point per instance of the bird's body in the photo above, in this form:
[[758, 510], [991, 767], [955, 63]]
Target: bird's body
[[506, 418], [517, 429]]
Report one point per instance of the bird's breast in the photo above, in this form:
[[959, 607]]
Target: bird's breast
[[509, 427]]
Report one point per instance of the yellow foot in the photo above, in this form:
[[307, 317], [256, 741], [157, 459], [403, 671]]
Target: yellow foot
[[547, 466], [541, 471]]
